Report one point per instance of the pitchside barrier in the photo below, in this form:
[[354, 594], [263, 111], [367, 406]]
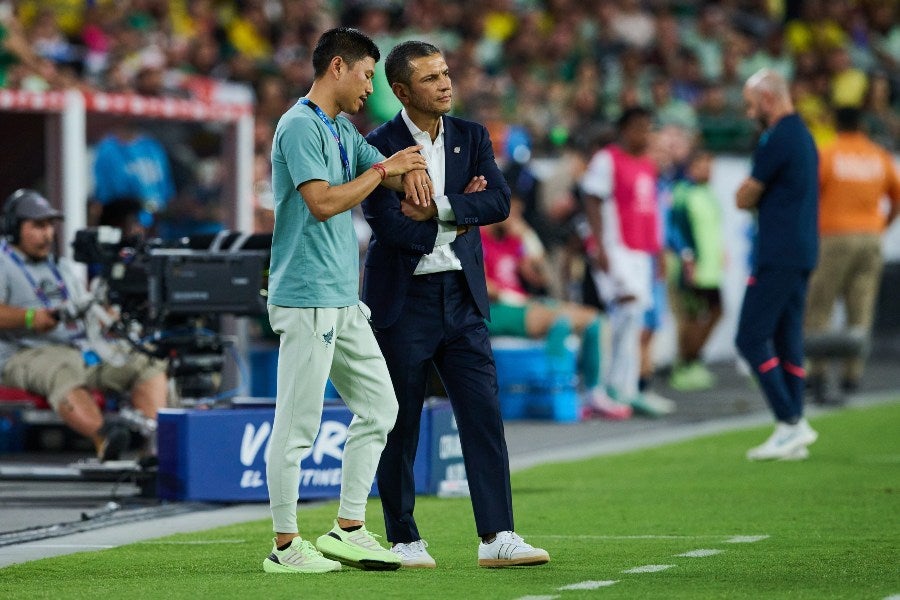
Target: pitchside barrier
[[220, 455]]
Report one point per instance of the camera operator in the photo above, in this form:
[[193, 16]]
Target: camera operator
[[44, 350]]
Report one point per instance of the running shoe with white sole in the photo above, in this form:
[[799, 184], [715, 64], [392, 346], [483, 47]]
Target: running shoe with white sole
[[801, 453], [357, 549], [508, 549], [784, 442], [300, 557], [651, 404], [600, 404], [414, 555]]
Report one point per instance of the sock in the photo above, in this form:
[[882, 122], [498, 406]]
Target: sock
[[557, 354], [590, 355], [643, 384], [351, 528], [284, 547]]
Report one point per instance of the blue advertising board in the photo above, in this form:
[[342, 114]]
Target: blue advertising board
[[219, 455]]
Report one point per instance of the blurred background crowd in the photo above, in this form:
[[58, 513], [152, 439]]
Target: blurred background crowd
[[544, 75], [548, 78]]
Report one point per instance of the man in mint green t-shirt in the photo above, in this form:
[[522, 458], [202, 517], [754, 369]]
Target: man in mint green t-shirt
[[321, 168]]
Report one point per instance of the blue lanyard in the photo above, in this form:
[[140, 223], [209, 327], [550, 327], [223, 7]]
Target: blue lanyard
[[42, 296], [344, 159]]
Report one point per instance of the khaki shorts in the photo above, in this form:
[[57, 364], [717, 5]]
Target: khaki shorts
[[53, 371]]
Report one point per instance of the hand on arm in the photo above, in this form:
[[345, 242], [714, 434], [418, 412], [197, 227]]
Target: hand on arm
[[417, 212], [749, 193], [414, 182], [325, 201], [477, 184]]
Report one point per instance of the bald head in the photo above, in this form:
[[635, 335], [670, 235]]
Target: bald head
[[768, 97], [768, 81]]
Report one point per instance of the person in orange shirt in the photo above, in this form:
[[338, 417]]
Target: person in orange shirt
[[855, 176]]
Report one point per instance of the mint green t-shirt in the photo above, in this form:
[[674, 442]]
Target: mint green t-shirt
[[313, 264]]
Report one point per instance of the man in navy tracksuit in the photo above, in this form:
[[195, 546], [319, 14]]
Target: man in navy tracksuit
[[783, 188]]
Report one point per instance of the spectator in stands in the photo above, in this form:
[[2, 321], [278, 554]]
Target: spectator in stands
[[44, 346], [706, 39], [783, 190], [855, 175], [881, 118], [621, 208], [424, 281], [513, 258], [129, 163], [695, 235], [848, 83], [671, 111], [771, 55], [16, 50]]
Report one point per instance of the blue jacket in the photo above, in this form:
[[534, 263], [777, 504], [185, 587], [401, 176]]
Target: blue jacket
[[398, 242]]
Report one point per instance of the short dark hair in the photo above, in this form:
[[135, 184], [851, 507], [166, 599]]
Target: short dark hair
[[350, 44], [396, 66], [629, 115], [847, 118]]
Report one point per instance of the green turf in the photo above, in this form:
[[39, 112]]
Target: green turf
[[833, 524]]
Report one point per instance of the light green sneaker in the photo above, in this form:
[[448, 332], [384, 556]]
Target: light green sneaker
[[300, 557], [691, 377], [357, 549], [651, 404]]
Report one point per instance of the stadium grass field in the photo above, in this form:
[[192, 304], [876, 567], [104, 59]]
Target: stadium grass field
[[828, 527]]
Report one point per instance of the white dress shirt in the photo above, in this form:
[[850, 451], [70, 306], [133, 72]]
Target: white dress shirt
[[443, 258]]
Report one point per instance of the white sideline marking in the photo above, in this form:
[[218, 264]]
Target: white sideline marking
[[588, 585], [700, 553], [746, 539], [538, 597], [649, 569], [97, 546], [731, 539], [193, 542], [892, 597]]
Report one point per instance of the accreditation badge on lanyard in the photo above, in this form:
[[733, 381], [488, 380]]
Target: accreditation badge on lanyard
[[75, 331], [345, 160]]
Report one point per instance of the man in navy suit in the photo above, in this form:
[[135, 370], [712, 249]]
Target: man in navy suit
[[424, 281]]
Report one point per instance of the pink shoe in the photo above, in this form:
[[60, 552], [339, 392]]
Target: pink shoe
[[601, 405]]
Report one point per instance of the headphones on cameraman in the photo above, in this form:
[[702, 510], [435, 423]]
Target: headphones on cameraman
[[9, 222]]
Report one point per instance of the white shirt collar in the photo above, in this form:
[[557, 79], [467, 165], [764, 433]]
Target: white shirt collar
[[414, 129]]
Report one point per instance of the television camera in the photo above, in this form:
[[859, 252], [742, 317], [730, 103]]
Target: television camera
[[171, 296]]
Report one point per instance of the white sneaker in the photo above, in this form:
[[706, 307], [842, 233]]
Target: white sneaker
[[414, 555], [510, 550], [651, 404], [801, 453], [784, 442]]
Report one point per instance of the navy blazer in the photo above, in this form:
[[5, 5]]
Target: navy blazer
[[398, 242]]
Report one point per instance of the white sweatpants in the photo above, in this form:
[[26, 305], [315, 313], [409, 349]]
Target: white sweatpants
[[630, 274], [626, 320], [318, 343]]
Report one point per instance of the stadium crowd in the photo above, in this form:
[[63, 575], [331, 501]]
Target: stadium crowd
[[549, 70], [548, 78]]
